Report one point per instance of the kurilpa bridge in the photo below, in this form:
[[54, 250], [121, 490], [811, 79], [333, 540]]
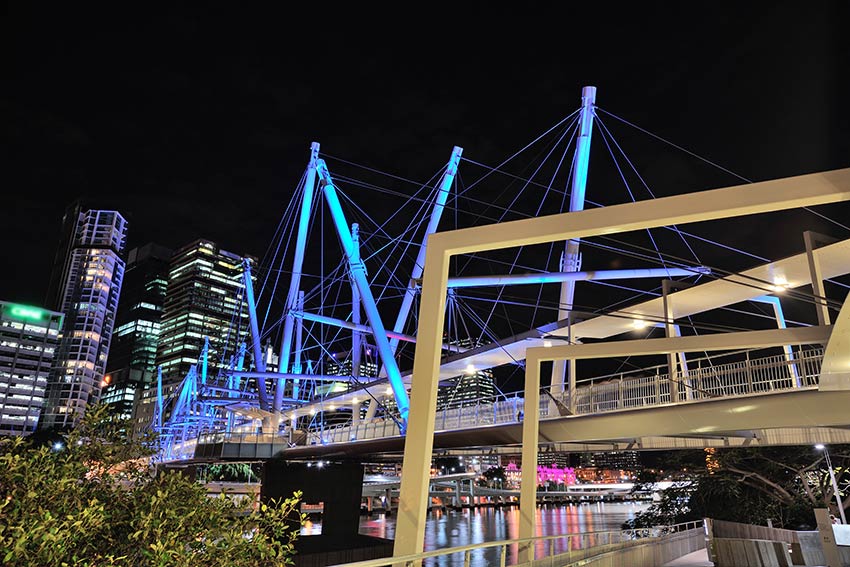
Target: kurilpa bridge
[[702, 352]]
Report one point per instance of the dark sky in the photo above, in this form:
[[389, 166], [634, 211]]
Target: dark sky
[[195, 120]]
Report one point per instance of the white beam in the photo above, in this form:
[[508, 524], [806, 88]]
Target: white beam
[[696, 343], [835, 368], [765, 196], [800, 191]]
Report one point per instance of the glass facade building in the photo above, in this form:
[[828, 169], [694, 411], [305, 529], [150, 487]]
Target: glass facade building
[[85, 287], [204, 299], [29, 337], [132, 359], [467, 389]]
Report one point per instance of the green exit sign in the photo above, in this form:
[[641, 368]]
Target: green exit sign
[[25, 312]]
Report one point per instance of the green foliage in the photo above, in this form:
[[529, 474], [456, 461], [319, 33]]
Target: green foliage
[[494, 477], [231, 472], [98, 502], [750, 485]]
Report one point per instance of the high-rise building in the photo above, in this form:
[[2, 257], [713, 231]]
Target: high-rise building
[[204, 299], [341, 364], [611, 460], [29, 337], [472, 386], [132, 358], [85, 287]]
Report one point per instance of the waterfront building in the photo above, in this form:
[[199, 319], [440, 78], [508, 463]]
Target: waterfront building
[[85, 287], [132, 359], [203, 300], [29, 337], [611, 460]]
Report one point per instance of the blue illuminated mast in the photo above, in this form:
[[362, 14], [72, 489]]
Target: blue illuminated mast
[[295, 281], [433, 222], [571, 260], [357, 272], [257, 348]]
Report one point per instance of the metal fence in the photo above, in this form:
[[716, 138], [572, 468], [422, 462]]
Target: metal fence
[[749, 376]]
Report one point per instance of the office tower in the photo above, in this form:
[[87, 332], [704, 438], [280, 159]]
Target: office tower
[[85, 287], [611, 460], [29, 337], [466, 390], [204, 299], [340, 363], [132, 358]]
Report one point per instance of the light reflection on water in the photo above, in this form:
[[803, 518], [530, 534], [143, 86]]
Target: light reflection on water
[[453, 528]]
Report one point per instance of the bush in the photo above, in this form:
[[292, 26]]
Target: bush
[[96, 500]]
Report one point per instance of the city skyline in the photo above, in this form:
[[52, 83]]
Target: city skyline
[[214, 150]]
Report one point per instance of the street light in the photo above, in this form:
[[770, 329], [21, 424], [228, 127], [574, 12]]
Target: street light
[[822, 447]]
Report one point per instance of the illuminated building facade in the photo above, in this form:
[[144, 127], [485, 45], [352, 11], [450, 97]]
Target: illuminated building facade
[[29, 337], [204, 299], [468, 389], [132, 359], [609, 466], [340, 363], [85, 287]]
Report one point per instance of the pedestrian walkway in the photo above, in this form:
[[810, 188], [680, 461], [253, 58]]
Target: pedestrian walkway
[[698, 558]]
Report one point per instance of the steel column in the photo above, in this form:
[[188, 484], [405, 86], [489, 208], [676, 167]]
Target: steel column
[[256, 343], [356, 337], [436, 213], [358, 274], [571, 260], [780, 323], [297, 266]]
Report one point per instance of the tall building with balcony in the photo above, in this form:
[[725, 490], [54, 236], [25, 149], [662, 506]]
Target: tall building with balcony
[[132, 359], [85, 287], [203, 299], [29, 337]]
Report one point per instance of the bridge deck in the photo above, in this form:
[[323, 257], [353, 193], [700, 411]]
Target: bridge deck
[[750, 401]]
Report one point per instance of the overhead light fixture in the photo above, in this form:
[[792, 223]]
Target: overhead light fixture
[[640, 323], [547, 344], [470, 369], [780, 284]]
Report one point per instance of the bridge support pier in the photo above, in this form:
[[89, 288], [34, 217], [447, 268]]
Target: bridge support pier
[[388, 495], [530, 438]]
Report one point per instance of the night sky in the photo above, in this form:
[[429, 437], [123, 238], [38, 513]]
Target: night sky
[[195, 121]]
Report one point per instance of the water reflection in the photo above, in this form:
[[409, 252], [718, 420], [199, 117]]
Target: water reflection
[[453, 528]]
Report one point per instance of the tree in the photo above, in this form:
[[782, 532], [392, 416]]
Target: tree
[[231, 472], [494, 477], [751, 485], [96, 500]]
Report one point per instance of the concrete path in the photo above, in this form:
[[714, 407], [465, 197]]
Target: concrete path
[[698, 558]]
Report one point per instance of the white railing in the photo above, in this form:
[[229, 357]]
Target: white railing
[[563, 549], [624, 391], [612, 393]]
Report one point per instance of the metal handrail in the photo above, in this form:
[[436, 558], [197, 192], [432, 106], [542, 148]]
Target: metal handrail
[[733, 379], [630, 535]]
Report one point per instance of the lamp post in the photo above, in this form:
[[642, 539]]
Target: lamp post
[[822, 447]]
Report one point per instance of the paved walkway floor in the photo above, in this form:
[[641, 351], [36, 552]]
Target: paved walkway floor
[[696, 559]]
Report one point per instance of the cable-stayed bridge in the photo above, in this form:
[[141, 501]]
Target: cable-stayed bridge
[[682, 349]]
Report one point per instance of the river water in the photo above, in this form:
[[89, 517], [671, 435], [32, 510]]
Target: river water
[[453, 528]]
